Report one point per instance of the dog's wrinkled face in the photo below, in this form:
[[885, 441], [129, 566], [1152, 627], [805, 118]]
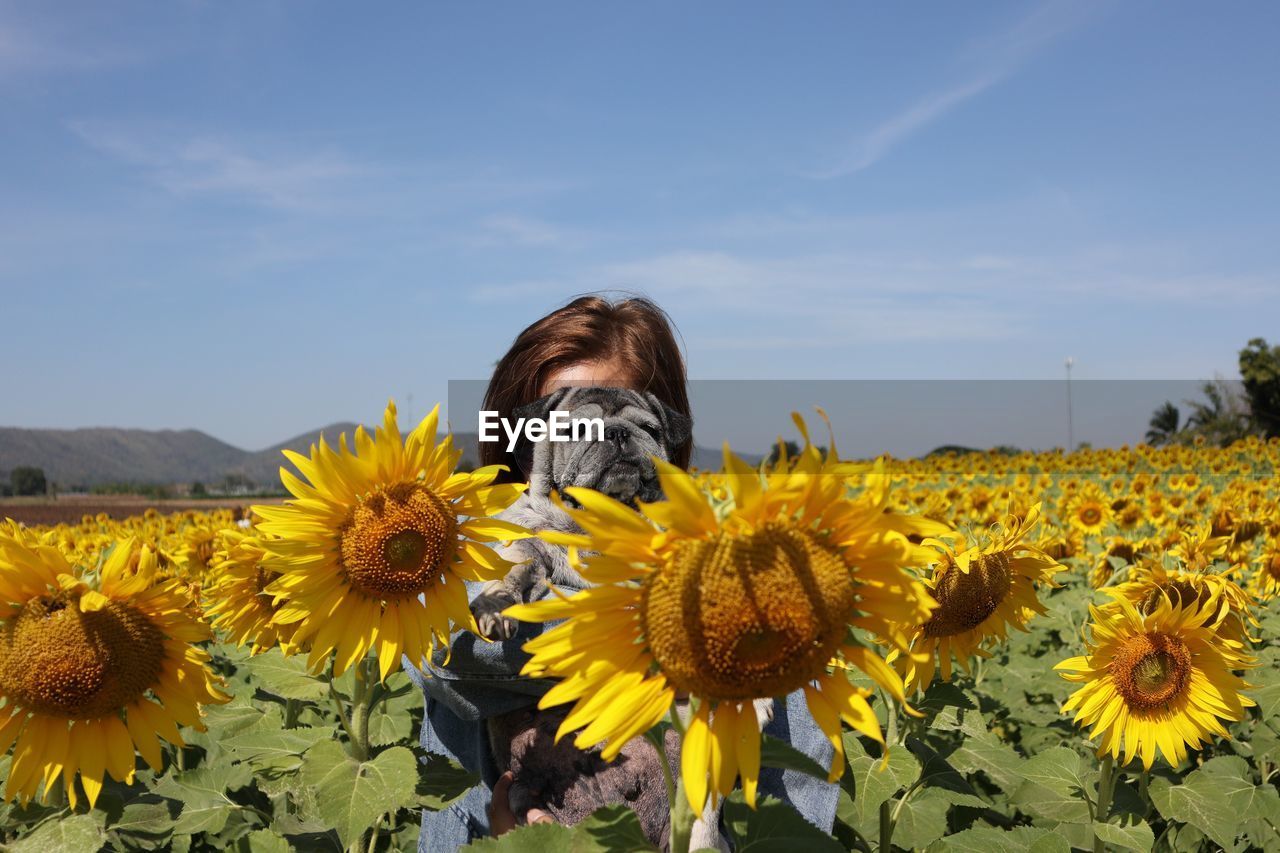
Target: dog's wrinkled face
[[637, 427]]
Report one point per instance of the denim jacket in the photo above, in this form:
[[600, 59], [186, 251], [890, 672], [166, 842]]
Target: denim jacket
[[482, 680]]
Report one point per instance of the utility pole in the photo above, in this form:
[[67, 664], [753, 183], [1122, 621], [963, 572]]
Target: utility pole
[[1071, 433]]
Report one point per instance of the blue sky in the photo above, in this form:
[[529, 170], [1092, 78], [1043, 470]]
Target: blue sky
[[259, 218]]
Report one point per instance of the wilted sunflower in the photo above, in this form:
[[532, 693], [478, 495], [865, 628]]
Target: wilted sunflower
[[1161, 680], [93, 664], [981, 592], [1150, 582], [756, 603], [235, 598], [374, 549]]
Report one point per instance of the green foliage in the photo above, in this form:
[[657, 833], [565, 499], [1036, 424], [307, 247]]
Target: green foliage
[[991, 765], [26, 480], [614, 828], [272, 772], [1260, 370]]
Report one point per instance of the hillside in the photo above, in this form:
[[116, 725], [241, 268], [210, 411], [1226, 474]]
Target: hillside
[[99, 455], [74, 458]]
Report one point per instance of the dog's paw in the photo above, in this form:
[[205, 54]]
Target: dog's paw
[[764, 711], [487, 609]]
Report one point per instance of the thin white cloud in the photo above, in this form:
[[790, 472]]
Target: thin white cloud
[[25, 49], [838, 300], [521, 232], [842, 299], [991, 61], [209, 165]]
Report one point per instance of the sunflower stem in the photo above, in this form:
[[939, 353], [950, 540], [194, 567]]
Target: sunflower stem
[[1106, 784], [682, 819], [891, 719], [1144, 779], [373, 834], [360, 708], [682, 816], [342, 712], [657, 737], [886, 827]]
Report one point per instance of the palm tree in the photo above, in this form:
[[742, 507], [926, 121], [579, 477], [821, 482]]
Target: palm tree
[[1224, 418], [1164, 424]]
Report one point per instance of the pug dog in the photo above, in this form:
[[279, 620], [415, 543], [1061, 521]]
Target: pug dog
[[567, 782], [638, 427]]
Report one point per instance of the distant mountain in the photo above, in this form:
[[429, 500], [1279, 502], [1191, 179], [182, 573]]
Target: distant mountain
[[99, 455], [264, 466], [95, 456], [73, 457]]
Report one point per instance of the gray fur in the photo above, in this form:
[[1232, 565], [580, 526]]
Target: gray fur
[[567, 782], [638, 427]]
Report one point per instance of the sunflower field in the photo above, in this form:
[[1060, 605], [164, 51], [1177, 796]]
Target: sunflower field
[[1005, 651]]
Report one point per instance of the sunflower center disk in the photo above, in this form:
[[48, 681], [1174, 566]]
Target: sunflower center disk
[[1151, 670], [748, 616], [58, 661], [1090, 515], [966, 599], [398, 541]]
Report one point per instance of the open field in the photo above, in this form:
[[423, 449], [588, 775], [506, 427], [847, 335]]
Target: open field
[[71, 508], [1150, 576]]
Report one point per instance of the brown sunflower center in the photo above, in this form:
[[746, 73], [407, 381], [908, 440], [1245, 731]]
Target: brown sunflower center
[[1123, 550], [745, 616], [1273, 566], [1090, 515], [58, 661], [261, 580], [966, 599], [1151, 670], [1248, 530], [398, 540]]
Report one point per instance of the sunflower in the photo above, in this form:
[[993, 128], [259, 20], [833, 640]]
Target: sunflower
[[235, 599], [981, 591], [1199, 548], [1089, 510], [1160, 680], [1266, 580], [754, 602], [1125, 550], [1150, 581], [374, 549], [93, 665]]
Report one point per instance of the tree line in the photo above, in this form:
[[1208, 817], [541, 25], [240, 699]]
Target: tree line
[[1229, 411]]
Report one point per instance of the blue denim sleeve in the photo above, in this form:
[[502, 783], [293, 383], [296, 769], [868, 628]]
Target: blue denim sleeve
[[815, 799], [463, 686]]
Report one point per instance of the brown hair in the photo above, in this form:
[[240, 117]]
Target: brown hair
[[634, 333]]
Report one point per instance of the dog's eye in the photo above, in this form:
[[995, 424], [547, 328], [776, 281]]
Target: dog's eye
[[652, 429]]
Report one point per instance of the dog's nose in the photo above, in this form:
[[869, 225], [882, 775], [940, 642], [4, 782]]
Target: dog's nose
[[617, 434]]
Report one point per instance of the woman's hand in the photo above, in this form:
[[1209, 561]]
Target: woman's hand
[[501, 818]]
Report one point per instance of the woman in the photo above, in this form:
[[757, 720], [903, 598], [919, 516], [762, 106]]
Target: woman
[[593, 341]]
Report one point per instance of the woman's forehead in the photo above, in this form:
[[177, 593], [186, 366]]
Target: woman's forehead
[[607, 373]]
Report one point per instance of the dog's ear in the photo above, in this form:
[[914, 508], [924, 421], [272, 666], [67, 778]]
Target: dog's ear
[[677, 428], [539, 408]]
